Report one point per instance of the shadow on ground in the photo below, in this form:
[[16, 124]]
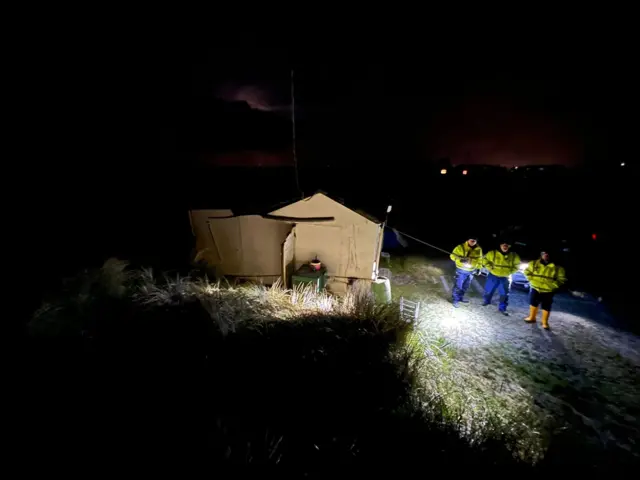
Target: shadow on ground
[[162, 387]]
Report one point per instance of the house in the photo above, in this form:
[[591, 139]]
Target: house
[[347, 242]]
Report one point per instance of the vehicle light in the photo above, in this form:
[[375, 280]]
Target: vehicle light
[[464, 172], [443, 171]]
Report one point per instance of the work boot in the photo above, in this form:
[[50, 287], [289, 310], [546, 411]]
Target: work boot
[[455, 304], [504, 312], [533, 313], [462, 300], [485, 303], [545, 319]]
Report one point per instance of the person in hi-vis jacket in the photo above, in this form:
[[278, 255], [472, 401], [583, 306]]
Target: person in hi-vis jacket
[[468, 258], [501, 264], [545, 278]]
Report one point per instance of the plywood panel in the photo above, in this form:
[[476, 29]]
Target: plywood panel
[[226, 232], [249, 245], [262, 245], [204, 244]]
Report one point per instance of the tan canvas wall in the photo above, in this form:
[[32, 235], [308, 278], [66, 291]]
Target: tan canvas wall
[[320, 205], [228, 243], [262, 244], [347, 246], [288, 258], [205, 247], [253, 246], [346, 251], [379, 248], [249, 245], [327, 242]]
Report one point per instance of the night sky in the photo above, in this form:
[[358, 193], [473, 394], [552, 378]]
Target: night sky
[[143, 107], [547, 105], [536, 98]]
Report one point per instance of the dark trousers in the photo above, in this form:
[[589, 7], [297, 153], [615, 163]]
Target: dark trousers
[[536, 298], [503, 286], [461, 284]]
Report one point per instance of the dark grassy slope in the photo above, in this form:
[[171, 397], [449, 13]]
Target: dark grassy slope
[[116, 378]]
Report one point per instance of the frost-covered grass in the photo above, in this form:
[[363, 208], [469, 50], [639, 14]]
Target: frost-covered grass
[[229, 306], [572, 394]]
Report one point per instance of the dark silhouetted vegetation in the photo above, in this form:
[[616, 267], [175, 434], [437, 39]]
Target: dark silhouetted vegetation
[[127, 370]]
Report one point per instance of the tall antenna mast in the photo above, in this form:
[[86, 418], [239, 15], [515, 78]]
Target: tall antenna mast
[[293, 125]]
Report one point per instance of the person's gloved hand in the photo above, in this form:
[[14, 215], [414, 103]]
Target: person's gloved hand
[[465, 261]]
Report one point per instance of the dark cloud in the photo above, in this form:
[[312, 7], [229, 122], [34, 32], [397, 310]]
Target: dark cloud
[[258, 97]]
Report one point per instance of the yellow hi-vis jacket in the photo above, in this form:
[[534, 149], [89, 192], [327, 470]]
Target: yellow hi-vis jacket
[[465, 251], [545, 278], [500, 264]]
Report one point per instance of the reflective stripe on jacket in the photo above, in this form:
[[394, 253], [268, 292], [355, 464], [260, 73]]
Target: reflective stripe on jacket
[[545, 278], [501, 265], [465, 251]]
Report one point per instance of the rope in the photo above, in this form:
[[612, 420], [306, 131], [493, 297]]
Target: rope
[[423, 242]]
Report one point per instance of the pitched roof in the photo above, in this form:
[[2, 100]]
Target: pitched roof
[[338, 201]]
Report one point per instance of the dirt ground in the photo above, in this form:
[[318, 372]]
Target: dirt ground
[[580, 380]]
